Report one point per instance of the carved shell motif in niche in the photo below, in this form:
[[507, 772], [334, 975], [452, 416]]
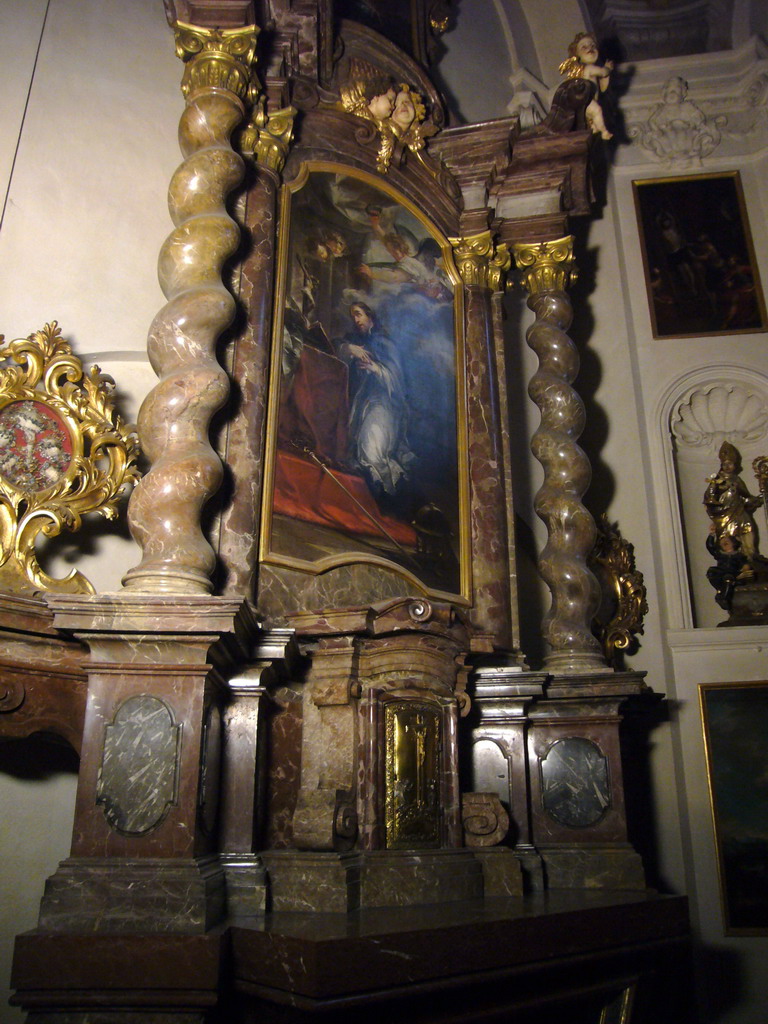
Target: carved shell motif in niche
[[705, 416]]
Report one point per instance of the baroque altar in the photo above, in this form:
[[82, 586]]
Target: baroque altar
[[306, 723]]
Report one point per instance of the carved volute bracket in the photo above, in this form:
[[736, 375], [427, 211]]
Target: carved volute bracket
[[166, 508], [547, 269], [481, 262], [268, 138]]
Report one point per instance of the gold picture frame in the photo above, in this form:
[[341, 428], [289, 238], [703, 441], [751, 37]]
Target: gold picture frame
[[735, 723], [366, 454], [699, 261]]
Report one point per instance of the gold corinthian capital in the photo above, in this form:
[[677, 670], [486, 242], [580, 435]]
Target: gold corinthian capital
[[481, 262], [217, 58], [546, 266]]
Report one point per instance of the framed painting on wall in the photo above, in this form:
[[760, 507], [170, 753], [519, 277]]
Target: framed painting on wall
[[735, 724], [366, 450], [699, 261]]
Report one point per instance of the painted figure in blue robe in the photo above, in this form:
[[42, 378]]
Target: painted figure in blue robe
[[378, 410]]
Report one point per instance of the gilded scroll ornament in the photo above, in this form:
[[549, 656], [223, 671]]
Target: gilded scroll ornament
[[480, 262], [624, 593], [64, 451], [217, 58], [268, 137], [546, 266]]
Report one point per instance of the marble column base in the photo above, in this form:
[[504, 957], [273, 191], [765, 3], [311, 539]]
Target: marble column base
[[312, 882], [246, 884], [502, 873], [148, 895], [596, 867], [339, 883]]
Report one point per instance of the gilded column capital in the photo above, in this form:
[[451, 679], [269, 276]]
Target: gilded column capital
[[217, 58], [480, 261], [268, 137], [546, 266]]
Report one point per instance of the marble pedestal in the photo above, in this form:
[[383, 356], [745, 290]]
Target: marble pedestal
[[569, 956], [339, 883]]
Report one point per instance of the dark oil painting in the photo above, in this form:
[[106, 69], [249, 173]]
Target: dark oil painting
[[700, 268], [366, 405], [735, 717]]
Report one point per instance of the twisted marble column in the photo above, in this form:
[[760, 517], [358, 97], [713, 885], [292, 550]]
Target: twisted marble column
[[547, 268], [165, 509], [482, 267]]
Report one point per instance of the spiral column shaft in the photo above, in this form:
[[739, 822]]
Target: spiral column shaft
[[165, 509], [548, 268]]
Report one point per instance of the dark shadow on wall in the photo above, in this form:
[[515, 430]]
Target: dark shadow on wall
[[38, 757], [601, 491]]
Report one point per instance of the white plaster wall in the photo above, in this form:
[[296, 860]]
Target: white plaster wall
[[85, 169], [732, 982], [714, 656]]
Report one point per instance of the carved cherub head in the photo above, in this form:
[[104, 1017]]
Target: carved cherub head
[[584, 48], [675, 90], [408, 108], [368, 92]]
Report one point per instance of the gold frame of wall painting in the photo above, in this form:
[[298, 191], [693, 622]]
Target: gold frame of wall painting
[[734, 720], [321, 508], [64, 452], [699, 263]]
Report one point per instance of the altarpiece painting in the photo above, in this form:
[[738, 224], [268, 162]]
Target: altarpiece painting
[[366, 443]]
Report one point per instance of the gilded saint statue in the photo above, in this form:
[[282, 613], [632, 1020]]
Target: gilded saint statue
[[730, 505]]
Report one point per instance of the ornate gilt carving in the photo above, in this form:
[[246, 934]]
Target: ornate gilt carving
[[412, 767], [624, 593], [546, 266], [268, 137], [64, 451], [395, 109], [217, 58], [481, 262], [760, 467]]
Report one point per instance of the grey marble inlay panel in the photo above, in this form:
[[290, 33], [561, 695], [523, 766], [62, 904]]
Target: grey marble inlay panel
[[576, 790], [139, 767]]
